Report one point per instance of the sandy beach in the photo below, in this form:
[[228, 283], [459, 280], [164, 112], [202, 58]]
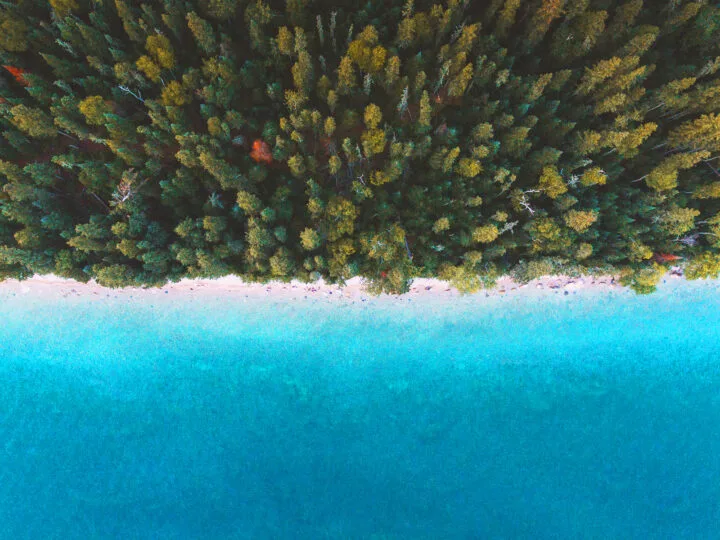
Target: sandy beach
[[354, 289]]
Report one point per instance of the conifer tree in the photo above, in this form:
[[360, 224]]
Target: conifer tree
[[202, 32]]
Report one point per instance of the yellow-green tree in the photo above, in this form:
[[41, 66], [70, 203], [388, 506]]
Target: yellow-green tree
[[13, 33], [94, 109], [372, 116], [346, 76], [406, 27], [425, 110], [151, 70], [677, 220], [174, 94], [485, 234], [341, 215], [203, 33], [32, 121], [463, 277], [310, 239], [643, 280], [664, 176], [703, 266], [302, 72], [468, 168], [551, 183], [580, 220], [707, 191], [593, 176], [703, 133], [159, 48], [460, 82], [285, 41]]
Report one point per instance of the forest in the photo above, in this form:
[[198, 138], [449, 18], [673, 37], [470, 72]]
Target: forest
[[145, 142]]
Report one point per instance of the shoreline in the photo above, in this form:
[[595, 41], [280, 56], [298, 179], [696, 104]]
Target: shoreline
[[232, 286]]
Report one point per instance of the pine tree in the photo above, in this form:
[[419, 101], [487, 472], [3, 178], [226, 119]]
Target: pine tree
[[346, 76], [506, 18], [546, 13], [703, 133], [302, 73], [579, 35], [460, 82], [285, 41], [33, 122], [203, 33], [425, 110]]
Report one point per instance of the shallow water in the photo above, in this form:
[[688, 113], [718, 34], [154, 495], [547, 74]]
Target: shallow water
[[592, 415]]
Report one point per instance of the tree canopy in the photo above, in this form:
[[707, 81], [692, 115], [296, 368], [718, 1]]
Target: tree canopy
[[151, 141]]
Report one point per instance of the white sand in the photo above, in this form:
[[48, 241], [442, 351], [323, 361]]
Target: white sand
[[353, 289]]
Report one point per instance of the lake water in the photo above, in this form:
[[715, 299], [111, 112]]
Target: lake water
[[591, 415]]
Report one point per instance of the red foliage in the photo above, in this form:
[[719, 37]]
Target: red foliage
[[18, 74], [666, 257], [442, 95], [261, 152], [328, 145], [383, 274]]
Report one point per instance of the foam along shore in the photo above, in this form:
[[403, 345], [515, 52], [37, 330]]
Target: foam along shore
[[353, 288]]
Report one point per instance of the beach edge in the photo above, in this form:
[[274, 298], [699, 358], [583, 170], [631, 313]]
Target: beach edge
[[353, 289]]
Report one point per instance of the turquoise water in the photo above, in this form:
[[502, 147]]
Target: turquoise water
[[591, 415]]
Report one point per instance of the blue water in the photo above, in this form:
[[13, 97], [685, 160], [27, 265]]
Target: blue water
[[591, 415]]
